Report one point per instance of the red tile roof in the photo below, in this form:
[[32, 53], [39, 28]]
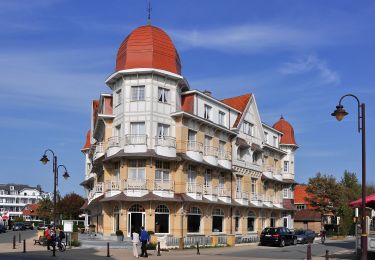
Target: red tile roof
[[87, 144], [288, 132], [30, 210], [239, 103], [300, 194], [188, 103], [148, 47]]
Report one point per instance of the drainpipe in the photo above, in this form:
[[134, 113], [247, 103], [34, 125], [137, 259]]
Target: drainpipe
[[181, 242], [231, 208]]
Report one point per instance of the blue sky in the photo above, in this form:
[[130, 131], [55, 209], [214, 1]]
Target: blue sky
[[297, 57]]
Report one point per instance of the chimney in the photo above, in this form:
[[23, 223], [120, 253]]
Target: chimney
[[207, 92]]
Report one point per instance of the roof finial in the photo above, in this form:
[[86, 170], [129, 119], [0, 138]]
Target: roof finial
[[149, 9], [281, 116]]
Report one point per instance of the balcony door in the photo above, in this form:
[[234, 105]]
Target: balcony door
[[192, 175], [239, 186], [137, 133]]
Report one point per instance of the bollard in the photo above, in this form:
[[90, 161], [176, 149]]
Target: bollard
[[158, 249], [24, 246], [108, 255], [308, 252], [19, 237], [181, 243], [198, 249], [327, 254], [14, 242]]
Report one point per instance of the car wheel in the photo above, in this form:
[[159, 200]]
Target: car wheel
[[294, 241], [282, 243]]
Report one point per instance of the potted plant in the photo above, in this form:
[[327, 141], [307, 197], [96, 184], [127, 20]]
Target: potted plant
[[120, 235], [92, 227]]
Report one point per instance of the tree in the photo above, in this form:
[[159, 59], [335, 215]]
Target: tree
[[325, 193], [45, 209], [70, 206]]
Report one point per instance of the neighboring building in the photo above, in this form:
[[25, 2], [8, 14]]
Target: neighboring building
[[14, 197], [30, 212], [177, 160]]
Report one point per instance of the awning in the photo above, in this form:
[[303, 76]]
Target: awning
[[242, 142], [370, 202]]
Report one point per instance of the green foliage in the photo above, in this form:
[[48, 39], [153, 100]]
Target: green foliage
[[119, 233], [151, 246]]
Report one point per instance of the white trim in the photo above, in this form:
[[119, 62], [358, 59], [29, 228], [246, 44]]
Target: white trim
[[271, 128]]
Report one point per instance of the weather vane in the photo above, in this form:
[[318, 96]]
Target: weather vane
[[149, 9]]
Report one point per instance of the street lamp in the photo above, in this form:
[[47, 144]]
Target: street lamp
[[55, 170], [340, 113]]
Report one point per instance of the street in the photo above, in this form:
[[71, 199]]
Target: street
[[8, 236]]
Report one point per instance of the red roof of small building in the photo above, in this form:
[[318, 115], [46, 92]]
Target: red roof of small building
[[300, 194], [30, 210], [88, 143], [288, 132], [148, 47], [239, 103]]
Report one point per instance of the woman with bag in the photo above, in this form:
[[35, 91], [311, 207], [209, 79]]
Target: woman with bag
[[135, 240]]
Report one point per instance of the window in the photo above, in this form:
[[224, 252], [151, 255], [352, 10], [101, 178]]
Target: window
[[207, 112], [163, 130], [207, 140], [272, 220], [286, 166], [275, 141], [194, 219], [116, 219], [116, 173], [253, 186], [217, 220], [207, 178], [162, 219], [285, 193], [11, 187], [137, 128], [192, 135], [221, 149], [163, 95], [118, 97], [300, 206], [221, 181], [251, 221], [237, 216], [248, 128], [221, 118], [266, 137], [256, 156], [137, 170], [138, 93], [162, 171], [239, 186], [118, 130], [192, 174]]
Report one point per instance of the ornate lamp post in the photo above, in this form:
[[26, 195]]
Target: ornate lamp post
[[55, 169], [340, 113]]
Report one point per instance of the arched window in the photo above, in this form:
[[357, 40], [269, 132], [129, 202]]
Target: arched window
[[194, 219], [237, 216], [116, 218], [136, 208], [251, 217], [217, 220], [162, 219]]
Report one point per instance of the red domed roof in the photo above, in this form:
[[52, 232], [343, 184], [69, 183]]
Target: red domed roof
[[288, 132], [148, 47]]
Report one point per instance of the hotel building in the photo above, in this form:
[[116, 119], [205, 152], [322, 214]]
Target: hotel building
[[179, 161]]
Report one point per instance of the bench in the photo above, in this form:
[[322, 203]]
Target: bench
[[41, 241]]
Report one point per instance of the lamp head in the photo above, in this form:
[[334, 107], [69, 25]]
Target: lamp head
[[339, 113], [66, 175], [44, 159]]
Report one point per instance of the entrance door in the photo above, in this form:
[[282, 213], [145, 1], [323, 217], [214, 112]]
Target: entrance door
[[135, 221]]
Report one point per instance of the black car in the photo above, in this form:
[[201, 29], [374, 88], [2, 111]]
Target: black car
[[29, 225], [19, 226], [3, 228], [305, 236], [279, 236]]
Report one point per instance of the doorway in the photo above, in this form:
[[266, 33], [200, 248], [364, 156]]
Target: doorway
[[136, 218]]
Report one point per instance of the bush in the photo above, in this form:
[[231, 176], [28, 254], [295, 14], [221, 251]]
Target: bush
[[151, 246], [151, 232], [119, 233], [75, 243]]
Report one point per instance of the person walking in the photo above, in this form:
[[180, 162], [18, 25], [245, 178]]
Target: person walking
[[135, 240], [145, 238], [48, 236]]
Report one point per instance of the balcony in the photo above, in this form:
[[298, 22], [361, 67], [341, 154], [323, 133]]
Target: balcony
[[135, 144], [112, 188], [278, 201], [210, 192], [194, 150], [256, 199], [114, 145], [99, 150], [194, 190], [268, 201], [96, 191], [225, 159], [164, 188], [242, 197], [246, 164], [224, 194], [165, 146], [210, 155], [135, 187]]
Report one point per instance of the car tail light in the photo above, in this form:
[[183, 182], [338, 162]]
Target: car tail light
[[276, 235]]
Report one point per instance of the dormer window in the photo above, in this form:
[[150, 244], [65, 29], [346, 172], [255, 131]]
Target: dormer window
[[11, 187], [248, 128], [221, 120], [275, 141], [207, 112]]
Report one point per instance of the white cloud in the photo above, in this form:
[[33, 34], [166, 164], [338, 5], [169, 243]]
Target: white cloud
[[311, 63], [250, 38]]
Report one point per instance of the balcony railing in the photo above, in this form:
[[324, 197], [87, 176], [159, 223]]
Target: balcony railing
[[256, 197], [112, 185], [166, 141], [210, 190], [99, 147], [192, 187], [225, 155], [163, 185], [194, 146], [135, 184], [98, 188], [242, 195], [135, 139], [223, 192], [114, 141], [210, 151]]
